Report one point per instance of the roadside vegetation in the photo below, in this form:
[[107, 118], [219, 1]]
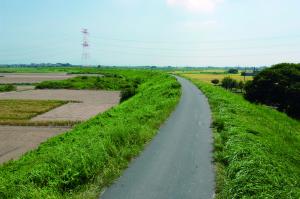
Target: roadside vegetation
[[81, 162], [7, 87], [256, 148]]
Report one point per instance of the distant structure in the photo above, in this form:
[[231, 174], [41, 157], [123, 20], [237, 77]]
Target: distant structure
[[85, 47]]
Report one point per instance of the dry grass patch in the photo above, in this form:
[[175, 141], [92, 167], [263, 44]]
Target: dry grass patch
[[21, 111], [209, 77]]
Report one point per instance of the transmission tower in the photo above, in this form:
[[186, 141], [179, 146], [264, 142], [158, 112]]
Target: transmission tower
[[85, 46]]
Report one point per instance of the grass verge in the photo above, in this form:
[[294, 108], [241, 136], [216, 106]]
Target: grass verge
[[256, 148], [89, 157]]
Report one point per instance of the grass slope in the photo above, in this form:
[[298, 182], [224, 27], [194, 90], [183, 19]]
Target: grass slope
[[257, 149], [89, 157]]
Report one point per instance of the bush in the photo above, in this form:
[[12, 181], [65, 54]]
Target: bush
[[241, 85], [7, 87], [229, 83], [127, 93], [215, 81], [278, 86]]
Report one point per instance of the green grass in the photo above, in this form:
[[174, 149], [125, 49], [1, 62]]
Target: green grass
[[83, 161], [257, 149], [85, 82]]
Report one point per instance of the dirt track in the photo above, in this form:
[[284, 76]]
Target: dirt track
[[15, 141]]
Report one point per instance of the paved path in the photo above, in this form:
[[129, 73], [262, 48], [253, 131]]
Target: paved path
[[177, 164]]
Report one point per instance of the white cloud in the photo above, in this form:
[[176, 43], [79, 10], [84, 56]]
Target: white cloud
[[196, 5]]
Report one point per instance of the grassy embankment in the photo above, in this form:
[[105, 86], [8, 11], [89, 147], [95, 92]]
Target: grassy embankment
[[82, 161], [19, 112], [108, 82], [257, 149]]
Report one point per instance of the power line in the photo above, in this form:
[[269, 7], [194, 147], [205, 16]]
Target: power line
[[208, 41]]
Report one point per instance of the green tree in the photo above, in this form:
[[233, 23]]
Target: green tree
[[229, 83], [215, 81], [278, 86]]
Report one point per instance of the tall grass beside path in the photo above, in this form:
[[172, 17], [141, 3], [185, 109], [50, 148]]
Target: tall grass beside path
[[256, 148], [94, 152]]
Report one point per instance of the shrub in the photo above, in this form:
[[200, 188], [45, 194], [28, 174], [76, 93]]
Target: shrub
[[215, 81], [127, 93], [241, 85], [229, 83], [7, 87], [278, 86]]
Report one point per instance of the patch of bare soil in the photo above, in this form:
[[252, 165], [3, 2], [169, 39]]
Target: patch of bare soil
[[15, 141]]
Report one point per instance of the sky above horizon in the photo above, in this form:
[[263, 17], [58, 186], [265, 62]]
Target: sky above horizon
[[156, 32]]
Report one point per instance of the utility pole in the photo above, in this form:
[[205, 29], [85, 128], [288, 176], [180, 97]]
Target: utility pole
[[85, 47], [245, 71]]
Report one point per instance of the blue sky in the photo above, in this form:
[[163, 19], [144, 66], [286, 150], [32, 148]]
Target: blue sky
[[156, 32]]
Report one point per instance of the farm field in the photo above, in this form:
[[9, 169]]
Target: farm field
[[82, 104], [17, 78], [17, 140], [208, 77], [34, 116], [23, 110]]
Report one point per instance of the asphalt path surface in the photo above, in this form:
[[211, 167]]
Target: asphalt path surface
[[177, 164]]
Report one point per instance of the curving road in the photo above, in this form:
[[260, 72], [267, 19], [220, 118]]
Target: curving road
[[177, 164]]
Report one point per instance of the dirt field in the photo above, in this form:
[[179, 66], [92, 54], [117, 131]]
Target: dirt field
[[15, 141], [91, 102], [10, 78]]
